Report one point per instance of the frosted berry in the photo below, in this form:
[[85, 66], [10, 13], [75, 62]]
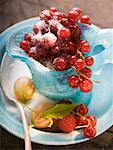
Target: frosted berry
[[24, 45], [46, 15], [64, 33], [48, 40], [33, 52], [28, 36], [60, 16], [35, 29]]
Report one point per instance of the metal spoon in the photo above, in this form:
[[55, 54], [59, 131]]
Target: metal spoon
[[6, 86]]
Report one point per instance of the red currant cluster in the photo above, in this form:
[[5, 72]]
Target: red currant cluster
[[57, 39], [76, 120]]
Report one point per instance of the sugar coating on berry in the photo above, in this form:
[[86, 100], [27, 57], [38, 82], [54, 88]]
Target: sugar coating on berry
[[46, 15], [37, 37], [41, 24], [49, 39], [55, 23]]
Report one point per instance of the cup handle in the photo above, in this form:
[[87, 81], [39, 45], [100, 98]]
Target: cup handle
[[103, 41]]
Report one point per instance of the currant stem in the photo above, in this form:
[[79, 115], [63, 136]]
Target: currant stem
[[64, 19], [80, 53], [84, 118], [88, 78]]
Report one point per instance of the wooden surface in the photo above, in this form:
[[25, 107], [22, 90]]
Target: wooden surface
[[12, 11]]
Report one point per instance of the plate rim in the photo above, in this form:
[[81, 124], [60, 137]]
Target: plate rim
[[15, 132]]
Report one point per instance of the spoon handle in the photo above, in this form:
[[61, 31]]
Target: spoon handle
[[26, 129]]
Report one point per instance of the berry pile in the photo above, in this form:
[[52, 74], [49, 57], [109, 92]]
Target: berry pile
[[57, 39], [76, 120], [65, 119]]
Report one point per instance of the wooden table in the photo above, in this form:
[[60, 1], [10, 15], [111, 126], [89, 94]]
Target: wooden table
[[12, 11]]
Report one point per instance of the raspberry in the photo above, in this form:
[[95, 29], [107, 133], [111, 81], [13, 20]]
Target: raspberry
[[67, 124]]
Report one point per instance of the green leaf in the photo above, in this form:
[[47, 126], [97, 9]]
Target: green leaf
[[59, 111]]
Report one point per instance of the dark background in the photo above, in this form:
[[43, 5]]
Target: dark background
[[13, 11]]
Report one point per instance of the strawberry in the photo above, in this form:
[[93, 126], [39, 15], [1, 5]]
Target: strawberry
[[67, 124]]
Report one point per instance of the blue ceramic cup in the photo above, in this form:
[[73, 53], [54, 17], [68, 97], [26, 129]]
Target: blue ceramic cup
[[54, 84]]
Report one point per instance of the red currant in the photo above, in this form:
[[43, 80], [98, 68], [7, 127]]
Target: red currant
[[73, 81], [33, 42], [68, 47], [24, 45], [33, 52], [53, 9], [64, 33], [46, 15], [43, 30], [54, 29], [72, 60], [86, 85], [92, 120], [43, 52], [75, 33], [35, 29], [49, 40], [85, 19], [65, 23], [73, 16], [82, 109], [89, 61], [55, 50], [28, 36], [60, 16], [89, 132], [60, 64], [87, 72], [85, 47], [78, 10], [80, 64]]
